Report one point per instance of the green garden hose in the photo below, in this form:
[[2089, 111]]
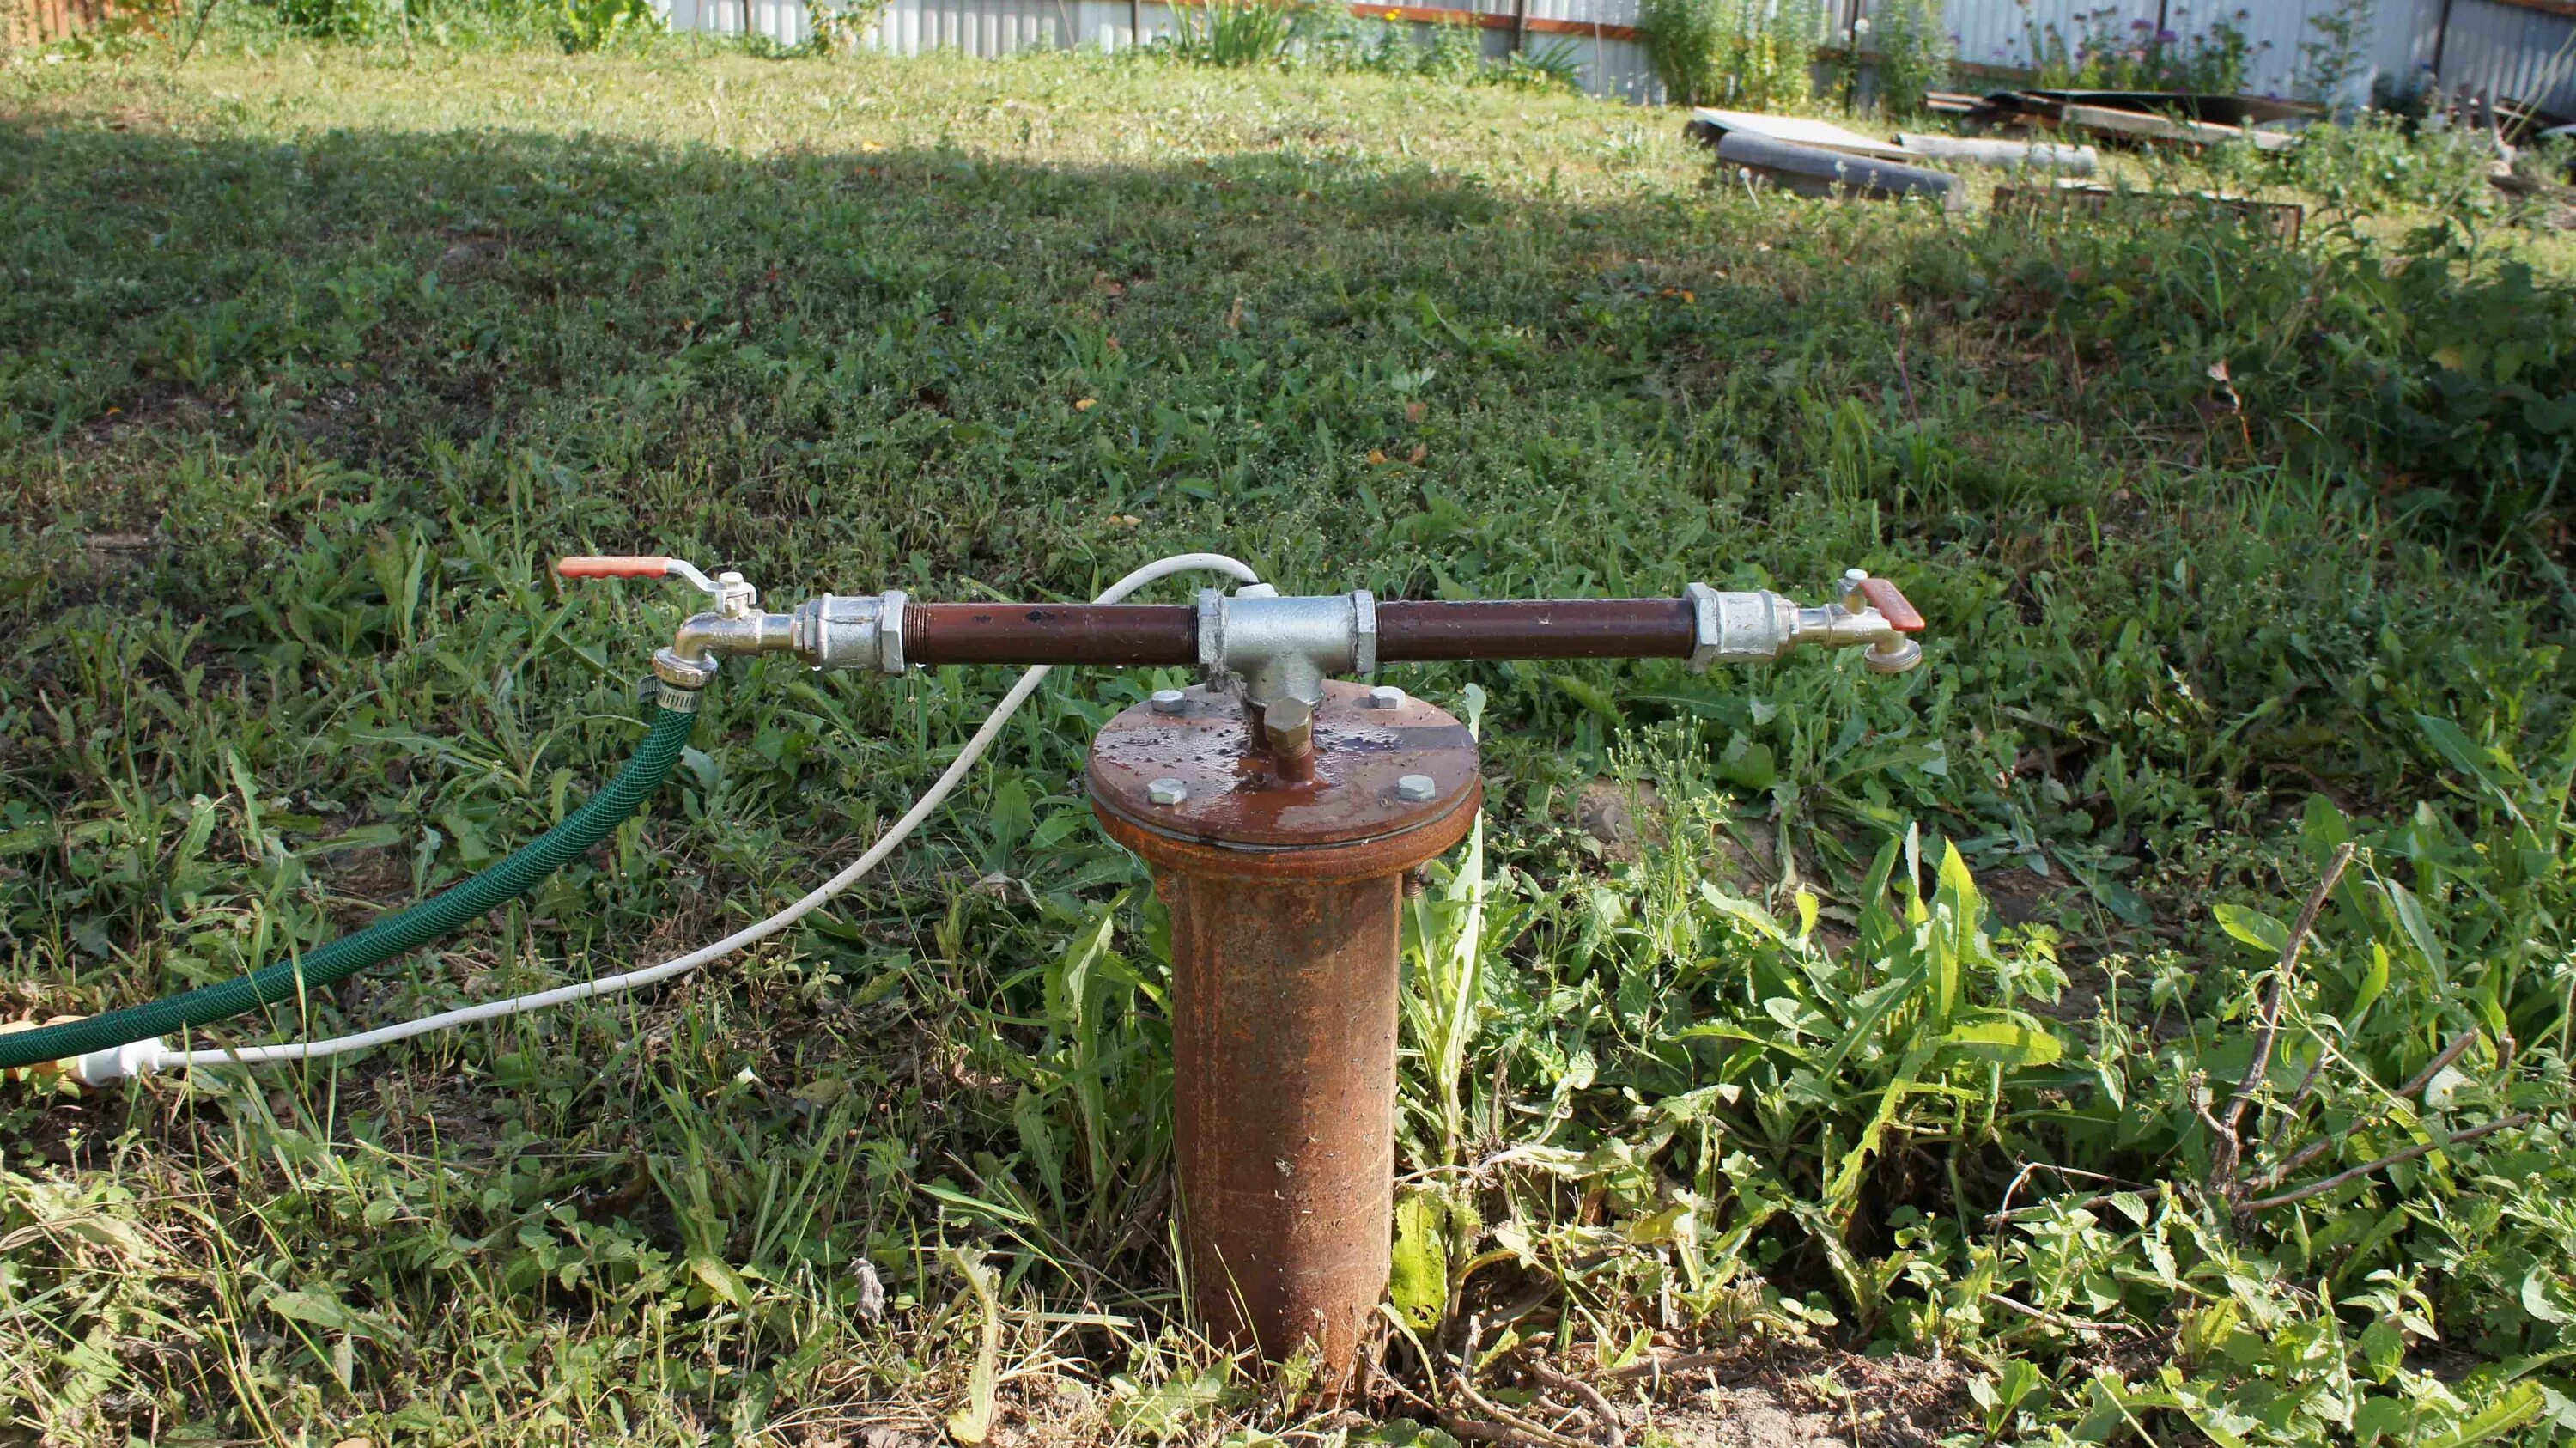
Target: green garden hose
[[395, 934]]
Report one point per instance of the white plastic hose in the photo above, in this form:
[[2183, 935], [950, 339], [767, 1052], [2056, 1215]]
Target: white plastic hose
[[144, 1057]]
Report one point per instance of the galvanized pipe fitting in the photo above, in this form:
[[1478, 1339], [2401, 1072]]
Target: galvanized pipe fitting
[[837, 631], [1284, 648], [834, 631]]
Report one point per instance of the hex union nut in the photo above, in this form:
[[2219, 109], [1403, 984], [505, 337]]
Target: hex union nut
[[1168, 790], [1169, 701], [1386, 696], [1415, 788]]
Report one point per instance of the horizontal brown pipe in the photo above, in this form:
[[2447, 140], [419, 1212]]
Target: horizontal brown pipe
[[1574, 628], [1415, 632], [1129, 634]]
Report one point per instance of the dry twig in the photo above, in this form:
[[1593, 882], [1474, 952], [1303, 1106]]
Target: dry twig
[[2005, 1211], [2224, 1160], [2423, 1148], [1605, 1418], [1502, 1425], [1657, 1367], [2060, 1320], [2272, 1175]]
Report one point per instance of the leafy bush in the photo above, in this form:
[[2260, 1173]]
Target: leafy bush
[[1556, 65], [2373, 162], [1683, 37], [2111, 53], [1328, 38], [1450, 50], [358, 20], [575, 25], [1911, 46], [837, 29], [589, 24], [1234, 33], [2337, 52], [1752, 54], [2548, 160]]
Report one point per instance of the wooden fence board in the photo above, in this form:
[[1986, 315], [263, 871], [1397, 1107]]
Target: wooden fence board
[[29, 23]]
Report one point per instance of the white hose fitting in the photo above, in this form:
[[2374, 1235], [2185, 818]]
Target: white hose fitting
[[115, 1063]]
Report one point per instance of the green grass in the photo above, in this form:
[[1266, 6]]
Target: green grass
[[310, 360]]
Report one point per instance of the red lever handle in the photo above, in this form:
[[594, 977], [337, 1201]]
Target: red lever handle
[[1901, 615], [614, 565]]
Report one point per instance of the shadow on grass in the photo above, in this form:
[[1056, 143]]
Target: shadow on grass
[[891, 347]]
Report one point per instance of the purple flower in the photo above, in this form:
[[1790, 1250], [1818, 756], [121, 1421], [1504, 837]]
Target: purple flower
[[2142, 25]]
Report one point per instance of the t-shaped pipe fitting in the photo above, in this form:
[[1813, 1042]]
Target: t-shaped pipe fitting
[[1283, 649]]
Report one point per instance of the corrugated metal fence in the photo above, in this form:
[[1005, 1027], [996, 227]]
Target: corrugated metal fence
[[2519, 49], [2522, 50]]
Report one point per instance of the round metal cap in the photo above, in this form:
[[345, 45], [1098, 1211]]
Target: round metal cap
[[1236, 798], [1169, 701]]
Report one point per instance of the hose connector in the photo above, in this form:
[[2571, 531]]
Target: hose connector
[[734, 627], [1758, 627]]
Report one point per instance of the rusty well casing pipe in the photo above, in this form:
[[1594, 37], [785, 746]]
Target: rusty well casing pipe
[[1284, 896]]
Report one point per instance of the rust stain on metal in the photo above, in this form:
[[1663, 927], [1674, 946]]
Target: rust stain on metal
[[1423, 631], [1119, 634], [1284, 899], [1240, 797]]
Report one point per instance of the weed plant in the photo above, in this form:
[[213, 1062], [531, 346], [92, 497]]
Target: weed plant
[[1233, 32], [2112, 50], [1745, 54], [1910, 47]]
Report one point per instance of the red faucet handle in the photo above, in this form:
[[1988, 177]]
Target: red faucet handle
[[614, 565], [1900, 614]]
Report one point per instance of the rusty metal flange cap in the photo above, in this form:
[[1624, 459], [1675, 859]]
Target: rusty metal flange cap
[[1369, 785]]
